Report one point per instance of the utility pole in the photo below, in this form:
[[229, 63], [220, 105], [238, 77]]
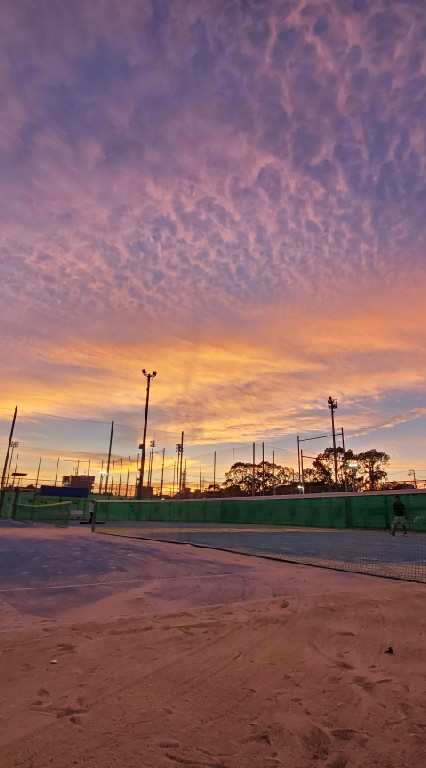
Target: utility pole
[[151, 461], [179, 448], [101, 477], [38, 474], [413, 473], [298, 458], [214, 476], [344, 461], [253, 482], [273, 473], [178, 467], [109, 457], [148, 377], [332, 404], [174, 478], [6, 461], [182, 481], [162, 472]]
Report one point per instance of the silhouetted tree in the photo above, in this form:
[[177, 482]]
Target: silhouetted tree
[[372, 468], [241, 475]]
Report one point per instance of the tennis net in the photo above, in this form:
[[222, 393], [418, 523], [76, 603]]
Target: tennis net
[[55, 514], [367, 548]]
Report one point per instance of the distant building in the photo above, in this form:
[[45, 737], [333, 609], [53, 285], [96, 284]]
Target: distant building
[[79, 481]]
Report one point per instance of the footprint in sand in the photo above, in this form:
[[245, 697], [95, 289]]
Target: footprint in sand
[[169, 744]]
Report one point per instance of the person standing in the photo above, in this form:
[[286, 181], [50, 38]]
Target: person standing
[[399, 518], [91, 510]]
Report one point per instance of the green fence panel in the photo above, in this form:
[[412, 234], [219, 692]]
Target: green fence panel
[[334, 514], [262, 512], [156, 511], [416, 511], [373, 511], [227, 512], [369, 512], [196, 512], [213, 511], [242, 511], [178, 511]]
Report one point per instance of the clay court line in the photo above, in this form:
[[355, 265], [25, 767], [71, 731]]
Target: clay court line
[[113, 583]]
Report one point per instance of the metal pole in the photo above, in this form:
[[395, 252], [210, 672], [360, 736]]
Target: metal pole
[[298, 457], [344, 461], [101, 478], [332, 404], [273, 473], [127, 483], [149, 466], [109, 456], [148, 376], [253, 486], [38, 473], [263, 469], [162, 473], [181, 464], [6, 461]]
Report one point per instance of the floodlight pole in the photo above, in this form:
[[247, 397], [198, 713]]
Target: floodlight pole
[[298, 456], [332, 404], [344, 460], [148, 377], [109, 456], [253, 482], [6, 461], [162, 473]]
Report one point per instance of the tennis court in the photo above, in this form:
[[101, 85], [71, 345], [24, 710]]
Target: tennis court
[[122, 648], [371, 552]]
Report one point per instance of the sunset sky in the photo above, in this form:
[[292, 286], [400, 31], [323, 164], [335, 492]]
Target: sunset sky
[[229, 192]]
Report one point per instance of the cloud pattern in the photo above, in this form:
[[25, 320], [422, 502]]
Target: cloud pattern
[[191, 182]]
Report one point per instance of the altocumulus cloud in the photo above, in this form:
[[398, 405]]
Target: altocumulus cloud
[[196, 171]]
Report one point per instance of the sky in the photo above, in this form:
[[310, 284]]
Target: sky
[[231, 193]]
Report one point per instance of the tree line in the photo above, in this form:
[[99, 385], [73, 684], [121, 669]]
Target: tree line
[[355, 472]]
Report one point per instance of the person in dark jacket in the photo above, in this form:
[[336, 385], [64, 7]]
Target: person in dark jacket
[[399, 518]]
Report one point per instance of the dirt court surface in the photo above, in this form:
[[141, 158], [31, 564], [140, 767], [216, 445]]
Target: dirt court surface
[[148, 655]]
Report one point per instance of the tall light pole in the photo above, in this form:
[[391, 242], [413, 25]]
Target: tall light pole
[[148, 377], [332, 404], [179, 449]]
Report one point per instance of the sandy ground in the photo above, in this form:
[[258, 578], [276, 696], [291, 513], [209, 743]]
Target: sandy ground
[[175, 656]]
